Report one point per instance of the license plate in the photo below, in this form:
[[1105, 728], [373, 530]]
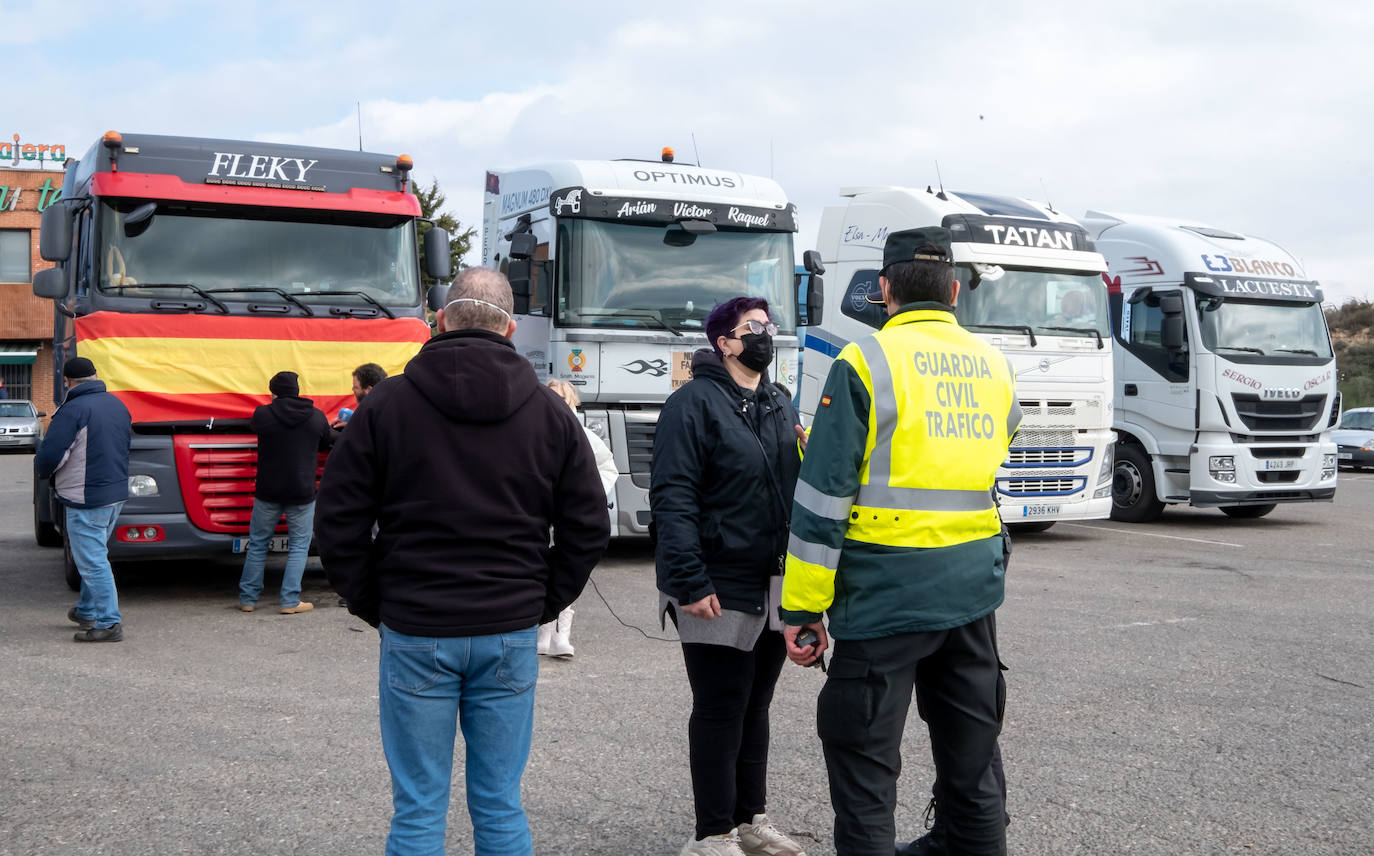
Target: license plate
[[1345, 456], [276, 545], [1039, 510], [1282, 464]]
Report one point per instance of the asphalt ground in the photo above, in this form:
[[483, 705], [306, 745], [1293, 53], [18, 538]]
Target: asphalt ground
[[1196, 685]]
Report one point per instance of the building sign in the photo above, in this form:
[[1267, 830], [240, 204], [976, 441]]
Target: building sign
[[1017, 232], [10, 196], [578, 202], [17, 154]]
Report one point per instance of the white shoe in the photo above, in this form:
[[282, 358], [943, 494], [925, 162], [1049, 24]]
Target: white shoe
[[762, 838], [713, 845], [561, 644], [545, 637]]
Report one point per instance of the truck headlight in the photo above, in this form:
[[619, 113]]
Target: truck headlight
[[601, 428], [1104, 473], [1328, 462], [1222, 468], [142, 486]]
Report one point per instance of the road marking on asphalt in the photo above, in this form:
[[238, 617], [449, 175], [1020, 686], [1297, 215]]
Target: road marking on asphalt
[[1152, 534], [1147, 623]]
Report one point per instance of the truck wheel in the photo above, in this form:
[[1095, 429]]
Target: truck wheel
[[46, 534], [69, 566], [1133, 487], [1039, 526], [1247, 512]]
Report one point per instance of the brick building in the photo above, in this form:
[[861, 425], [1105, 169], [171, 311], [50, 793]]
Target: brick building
[[26, 321]]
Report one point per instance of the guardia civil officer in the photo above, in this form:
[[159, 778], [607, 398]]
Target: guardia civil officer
[[896, 536]]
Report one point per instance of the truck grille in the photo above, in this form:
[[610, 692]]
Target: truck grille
[[1039, 457], [217, 477], [639, 445], [1300, 415], [1041, 486]]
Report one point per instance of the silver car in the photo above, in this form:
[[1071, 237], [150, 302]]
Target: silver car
[[1355, 438], [21, 426]]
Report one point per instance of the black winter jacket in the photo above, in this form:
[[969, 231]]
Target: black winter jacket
[[465, 462], [292, 432], [724, 470]]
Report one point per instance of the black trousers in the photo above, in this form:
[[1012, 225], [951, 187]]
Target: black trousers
[[727, 733], [862, 712]]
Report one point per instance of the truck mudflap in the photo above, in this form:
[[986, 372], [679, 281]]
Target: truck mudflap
[[1216, 499]]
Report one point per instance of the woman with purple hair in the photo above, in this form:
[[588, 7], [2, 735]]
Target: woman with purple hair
[[725, 465]]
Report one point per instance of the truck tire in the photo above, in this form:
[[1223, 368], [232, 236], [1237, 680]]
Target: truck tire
[[69, 565], [46, 534], [1247, 512], [1133, 486], [1039, 526]]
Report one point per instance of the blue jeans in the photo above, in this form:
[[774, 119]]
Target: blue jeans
[[427, 686], [300, 520], [89, 531]]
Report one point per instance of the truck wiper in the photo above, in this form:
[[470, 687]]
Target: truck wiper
[[1090, 331], [1239, 348], [636, 313], [264, 289], [1020, 328], [166, 285], [1297, 351], [364, 295]]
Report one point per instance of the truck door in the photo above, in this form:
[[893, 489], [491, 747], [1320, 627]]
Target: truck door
[[1159, 387]]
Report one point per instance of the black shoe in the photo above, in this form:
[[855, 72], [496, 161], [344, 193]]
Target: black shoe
[[83, 623], [929, 844], [114, 633]]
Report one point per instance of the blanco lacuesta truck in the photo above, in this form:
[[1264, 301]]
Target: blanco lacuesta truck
[[1225, 376], [615, 266], [1032, 287]]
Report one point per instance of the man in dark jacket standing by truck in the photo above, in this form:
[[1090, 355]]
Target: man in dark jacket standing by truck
[[465, 462], [86, 454], [292, 432]]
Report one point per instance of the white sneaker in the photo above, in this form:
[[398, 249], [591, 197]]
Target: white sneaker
[[762, 838], [713, 845], [545, 637], [561, 643]]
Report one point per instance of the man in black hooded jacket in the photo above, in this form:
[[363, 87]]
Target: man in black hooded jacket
[[292, 432], [465, 462]]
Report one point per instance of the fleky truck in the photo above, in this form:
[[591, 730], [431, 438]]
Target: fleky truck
[[1030, 285], [1225, 376], [192, 270], [615, 266]]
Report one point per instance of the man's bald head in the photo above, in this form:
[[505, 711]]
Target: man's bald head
[[480, 299]]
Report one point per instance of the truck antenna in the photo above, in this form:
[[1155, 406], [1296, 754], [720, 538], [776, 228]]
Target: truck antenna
[[941, 194], [1048, 203], [695, 153], [360, 125]]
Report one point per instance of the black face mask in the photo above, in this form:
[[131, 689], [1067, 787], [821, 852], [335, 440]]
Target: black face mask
[[758, 351]]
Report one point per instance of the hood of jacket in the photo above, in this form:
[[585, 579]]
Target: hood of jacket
[[291, 411], [472, 376]]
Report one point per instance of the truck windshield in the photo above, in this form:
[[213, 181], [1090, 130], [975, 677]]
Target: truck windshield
[[297, 252], [1050, 302], [1247, 329], [624, 275]]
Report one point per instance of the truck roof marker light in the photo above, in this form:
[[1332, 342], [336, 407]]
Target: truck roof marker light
[[667, 154], [112, 140]]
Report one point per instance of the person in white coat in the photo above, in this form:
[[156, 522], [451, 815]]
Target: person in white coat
[[555, 637]]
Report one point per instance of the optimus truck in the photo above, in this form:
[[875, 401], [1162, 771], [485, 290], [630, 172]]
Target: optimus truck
[[1225, 376], [192, 270], [615, 266], [1031, 285]]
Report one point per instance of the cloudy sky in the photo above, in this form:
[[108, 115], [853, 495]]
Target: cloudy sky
[[1256, 117]]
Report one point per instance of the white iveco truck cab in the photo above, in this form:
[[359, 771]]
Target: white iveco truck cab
[[615, 266], [1031, 285], [1225, 379]]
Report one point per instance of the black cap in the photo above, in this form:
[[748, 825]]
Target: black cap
[[78, 367], [927, 244], [284, 385]]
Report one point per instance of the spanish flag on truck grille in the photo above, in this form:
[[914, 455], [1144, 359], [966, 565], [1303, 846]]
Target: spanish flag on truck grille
[[190, 367]]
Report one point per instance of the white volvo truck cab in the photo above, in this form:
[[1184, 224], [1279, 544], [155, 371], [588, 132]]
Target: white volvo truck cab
[[615, 266], [1031, 285], [1225, 376]]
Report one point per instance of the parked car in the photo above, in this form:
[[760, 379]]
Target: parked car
[[1354, 438], [20, 425]]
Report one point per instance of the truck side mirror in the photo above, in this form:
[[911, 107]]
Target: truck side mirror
[[438, 260], [811, 260], [436, 297], [55, 236], [815, 298], [1171, 334], [50, 283], [518, 272], [1171, 304], [523, 245]]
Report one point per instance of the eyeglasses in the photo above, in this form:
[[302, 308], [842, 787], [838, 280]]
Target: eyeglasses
[[757, 327]]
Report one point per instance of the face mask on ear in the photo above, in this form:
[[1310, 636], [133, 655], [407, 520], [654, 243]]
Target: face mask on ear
[[758, 351]]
